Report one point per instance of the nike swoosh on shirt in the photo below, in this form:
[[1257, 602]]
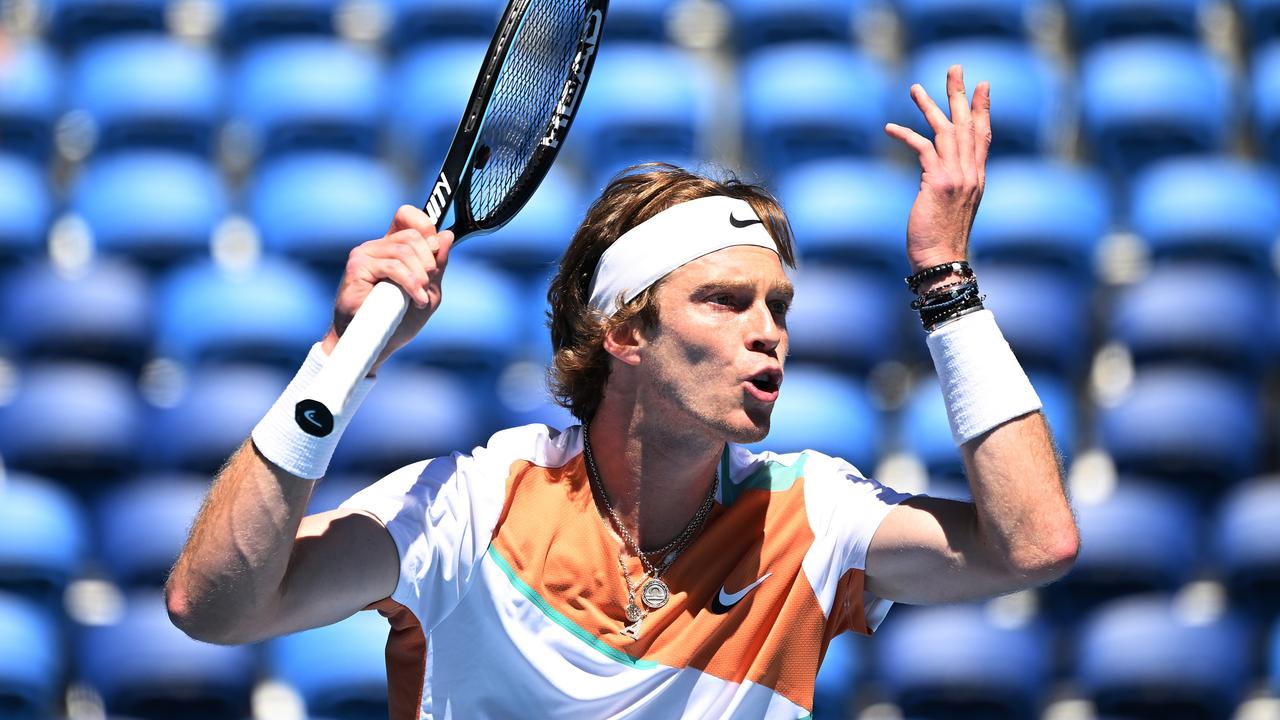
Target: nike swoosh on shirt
[[743, 223], [723, 602]]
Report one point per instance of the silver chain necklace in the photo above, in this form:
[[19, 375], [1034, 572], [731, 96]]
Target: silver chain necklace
[[655, 593]]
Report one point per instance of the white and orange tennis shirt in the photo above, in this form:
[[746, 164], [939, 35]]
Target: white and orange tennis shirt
[[510, 601]]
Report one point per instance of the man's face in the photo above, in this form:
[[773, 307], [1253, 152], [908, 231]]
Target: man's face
[[716, 357]]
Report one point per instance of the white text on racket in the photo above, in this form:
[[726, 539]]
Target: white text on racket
[[572, 93], [439, 196]]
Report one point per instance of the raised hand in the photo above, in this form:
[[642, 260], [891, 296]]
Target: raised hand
[[412, 255], [953, 173]]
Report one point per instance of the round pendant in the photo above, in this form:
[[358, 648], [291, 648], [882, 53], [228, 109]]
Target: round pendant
[[655, 593], [634, 613]]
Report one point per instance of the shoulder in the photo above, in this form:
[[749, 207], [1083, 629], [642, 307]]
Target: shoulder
[[538, 444]]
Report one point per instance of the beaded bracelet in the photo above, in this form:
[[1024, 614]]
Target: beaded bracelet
[[959, 267]]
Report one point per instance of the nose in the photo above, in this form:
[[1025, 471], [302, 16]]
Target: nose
[[765, 333]]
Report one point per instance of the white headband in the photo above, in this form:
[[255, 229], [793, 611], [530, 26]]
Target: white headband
[[674, 237]]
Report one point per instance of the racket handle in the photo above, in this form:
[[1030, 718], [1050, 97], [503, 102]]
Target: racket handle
[[351, 359]]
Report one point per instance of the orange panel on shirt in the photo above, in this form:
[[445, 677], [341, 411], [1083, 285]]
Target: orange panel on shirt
[[774, 636]]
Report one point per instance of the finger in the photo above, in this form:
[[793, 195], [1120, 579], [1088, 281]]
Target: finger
[[444, 243], [412, 239], [412, 280], [408, 217], [958, 100], [982, 127], [915, 141], [942, 129]]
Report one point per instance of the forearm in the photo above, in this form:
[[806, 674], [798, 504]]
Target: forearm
[[232, 568], [1024, 523]]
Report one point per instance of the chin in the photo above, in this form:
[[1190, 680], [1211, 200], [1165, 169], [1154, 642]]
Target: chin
[[753, 430]]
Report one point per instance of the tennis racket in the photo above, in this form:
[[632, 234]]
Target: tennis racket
[[525, 98]]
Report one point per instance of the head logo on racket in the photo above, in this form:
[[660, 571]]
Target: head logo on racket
[[572, 93]]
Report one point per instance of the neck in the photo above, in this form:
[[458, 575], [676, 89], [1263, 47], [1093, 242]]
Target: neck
[[656, 476]]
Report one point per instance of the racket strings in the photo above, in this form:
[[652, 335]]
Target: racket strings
[[537, 67]]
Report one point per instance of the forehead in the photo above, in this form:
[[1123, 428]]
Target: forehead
[[732, 264]]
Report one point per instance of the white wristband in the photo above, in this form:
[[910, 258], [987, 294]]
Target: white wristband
[[280, 440], [982, 382]]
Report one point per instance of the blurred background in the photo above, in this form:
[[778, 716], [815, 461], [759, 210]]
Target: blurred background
[[181, 181]]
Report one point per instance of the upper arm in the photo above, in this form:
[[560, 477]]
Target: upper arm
[[342, 561], [928, 550]]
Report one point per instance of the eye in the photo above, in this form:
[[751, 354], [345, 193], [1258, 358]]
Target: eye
[[780, 307]]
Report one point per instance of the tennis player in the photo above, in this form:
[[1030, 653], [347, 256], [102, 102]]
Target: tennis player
[[644, 563]]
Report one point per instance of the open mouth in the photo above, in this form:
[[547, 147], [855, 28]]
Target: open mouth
[[765, 383]]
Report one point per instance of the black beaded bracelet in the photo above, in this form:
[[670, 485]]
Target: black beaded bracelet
[[945, 294], [932, 323], [959, 267]]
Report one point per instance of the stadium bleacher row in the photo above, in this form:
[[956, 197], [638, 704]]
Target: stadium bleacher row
[[181, 181]]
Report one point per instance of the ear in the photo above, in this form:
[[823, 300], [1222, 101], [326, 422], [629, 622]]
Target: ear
[[625, 342]]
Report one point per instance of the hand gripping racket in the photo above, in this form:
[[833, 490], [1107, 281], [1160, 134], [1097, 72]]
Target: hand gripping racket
[[525, 98]]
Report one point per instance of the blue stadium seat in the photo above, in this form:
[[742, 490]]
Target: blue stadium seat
[[1213, 208], [822, 410], [271, 314], [32, 664], [639, 19], [156, 207], [929, 21], [757, 23], [1196, 313], [75, 422], [1187, 424], [1260, 20], [103, 313], [174, 98], [850, 212], [1264, 96], [811, 101], [144, 667], [44, 535], [1030, 92], [304, 206], [842, 668], [1043, 313], [1131, 113], [532, 243], [955, 661], [26, 207], [435, 79], [1144, 657], [926, 433], [430, 22], [165, 505], [338, 670], [476, 329], [1246, 545], [310, 93], [246, 22], [1142, 536], [1093, 21], [72, 23], [846, 319], [647, 102], [30, 98], [215, 414], [1042, 212], [411, 414]]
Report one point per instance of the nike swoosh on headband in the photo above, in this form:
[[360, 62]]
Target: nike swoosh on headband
[[723, 602], [743, 223]]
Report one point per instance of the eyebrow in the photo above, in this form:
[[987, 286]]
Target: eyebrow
[[782, 287]]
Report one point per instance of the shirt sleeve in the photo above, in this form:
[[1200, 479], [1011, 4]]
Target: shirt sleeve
[[845, 510], [441, 514]]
